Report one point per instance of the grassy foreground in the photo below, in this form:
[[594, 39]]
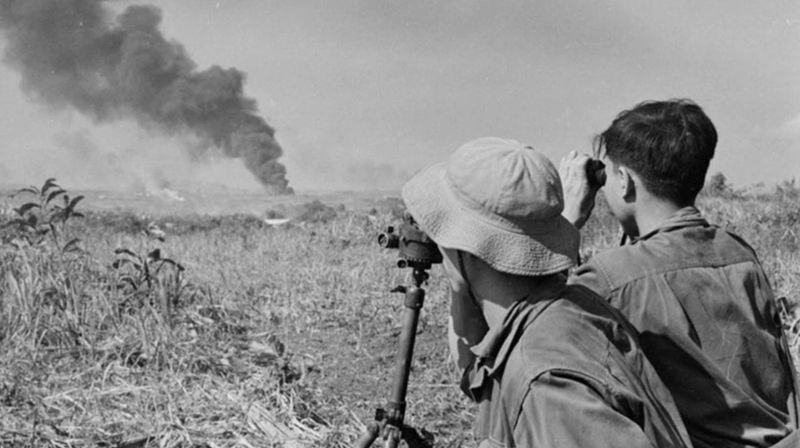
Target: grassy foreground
[[201, 331]]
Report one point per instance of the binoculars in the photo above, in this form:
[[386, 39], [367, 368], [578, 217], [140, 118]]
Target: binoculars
[[596, 173]]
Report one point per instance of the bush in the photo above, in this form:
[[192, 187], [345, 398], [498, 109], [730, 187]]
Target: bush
[[316, 212], [274, 214], [717, 186]]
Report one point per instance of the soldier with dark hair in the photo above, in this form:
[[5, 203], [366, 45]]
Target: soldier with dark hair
[[697, 293]]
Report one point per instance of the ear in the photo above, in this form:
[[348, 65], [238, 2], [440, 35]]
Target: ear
[[628, 182]]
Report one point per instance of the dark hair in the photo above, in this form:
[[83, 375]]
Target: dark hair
[[669, 144]]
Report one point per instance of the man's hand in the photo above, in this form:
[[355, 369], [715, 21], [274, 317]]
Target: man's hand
[[579, 195], [466, 324]]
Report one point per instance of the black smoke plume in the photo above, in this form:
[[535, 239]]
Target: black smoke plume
[[75, 53]]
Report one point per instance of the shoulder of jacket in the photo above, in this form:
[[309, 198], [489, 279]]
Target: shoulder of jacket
[[744, 244], [613, 268], [519, 389], [548, 342]]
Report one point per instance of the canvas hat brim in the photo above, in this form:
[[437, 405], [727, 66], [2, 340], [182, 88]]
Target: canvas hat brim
[[500, 243]]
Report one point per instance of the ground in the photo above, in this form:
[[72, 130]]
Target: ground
[[183, 318]]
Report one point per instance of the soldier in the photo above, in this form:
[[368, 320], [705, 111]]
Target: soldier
[[550, 365], [697, 294]]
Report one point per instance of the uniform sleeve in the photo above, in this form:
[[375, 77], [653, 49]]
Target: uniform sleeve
[[562, 412]]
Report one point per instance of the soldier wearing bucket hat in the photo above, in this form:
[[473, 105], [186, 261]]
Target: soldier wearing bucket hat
[[549, 365]]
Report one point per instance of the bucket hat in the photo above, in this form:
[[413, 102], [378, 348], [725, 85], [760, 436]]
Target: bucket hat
[[499, 200]]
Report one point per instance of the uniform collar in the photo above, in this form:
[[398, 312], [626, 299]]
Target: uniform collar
[[493, 351], [688, 216]]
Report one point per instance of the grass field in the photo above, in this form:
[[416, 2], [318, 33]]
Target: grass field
[[232, 332]]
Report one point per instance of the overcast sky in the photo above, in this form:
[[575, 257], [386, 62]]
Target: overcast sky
[[364, 93]]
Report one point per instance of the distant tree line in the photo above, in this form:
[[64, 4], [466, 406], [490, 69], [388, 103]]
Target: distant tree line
[[717, 185]]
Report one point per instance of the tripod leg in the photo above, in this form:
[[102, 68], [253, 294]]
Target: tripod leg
[[393, 437], [366, 440]]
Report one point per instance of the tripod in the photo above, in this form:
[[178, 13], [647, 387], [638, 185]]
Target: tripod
[[389, 422]]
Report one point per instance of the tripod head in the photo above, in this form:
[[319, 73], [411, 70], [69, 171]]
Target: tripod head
[[416, 249]]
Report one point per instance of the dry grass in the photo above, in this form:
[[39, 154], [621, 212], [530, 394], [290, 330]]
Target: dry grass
[[270, 336]]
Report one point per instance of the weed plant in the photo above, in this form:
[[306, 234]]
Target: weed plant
[[118, 329]]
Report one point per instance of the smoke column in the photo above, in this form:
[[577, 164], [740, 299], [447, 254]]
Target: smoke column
[[74, 53]]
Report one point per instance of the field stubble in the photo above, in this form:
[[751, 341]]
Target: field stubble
[[215, 331]]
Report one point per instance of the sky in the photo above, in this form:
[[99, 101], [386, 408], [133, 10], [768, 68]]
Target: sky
[[362, 94]]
